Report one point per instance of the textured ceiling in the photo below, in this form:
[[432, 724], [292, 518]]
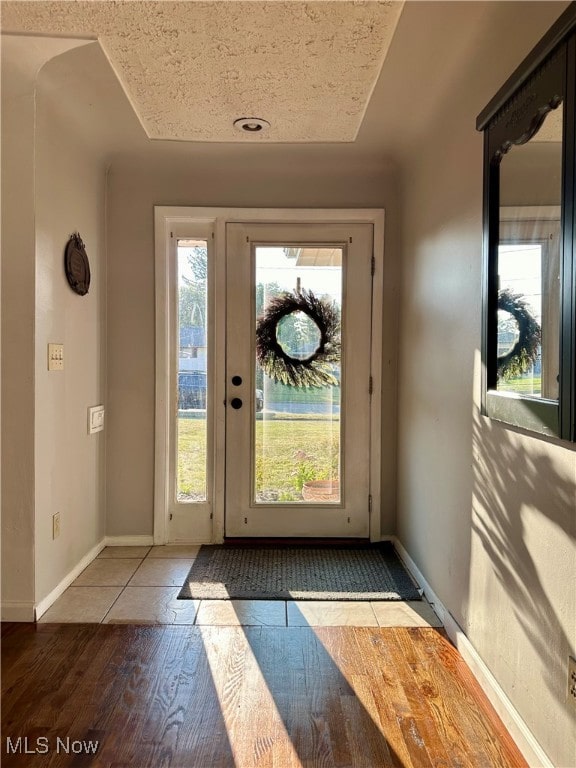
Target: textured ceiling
[[190, 69]]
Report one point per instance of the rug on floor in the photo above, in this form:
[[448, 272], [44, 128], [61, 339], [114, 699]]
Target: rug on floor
[[222, 572]]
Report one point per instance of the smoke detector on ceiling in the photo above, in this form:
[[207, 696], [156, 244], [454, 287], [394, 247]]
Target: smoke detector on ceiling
[[251, 124]]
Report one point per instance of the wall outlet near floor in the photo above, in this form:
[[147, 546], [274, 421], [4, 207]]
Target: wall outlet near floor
[[572, 680], [56, 525]]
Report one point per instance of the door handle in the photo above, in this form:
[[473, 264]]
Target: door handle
[[236, 403]]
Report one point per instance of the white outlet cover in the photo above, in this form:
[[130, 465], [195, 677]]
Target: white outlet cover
[[95, 419]]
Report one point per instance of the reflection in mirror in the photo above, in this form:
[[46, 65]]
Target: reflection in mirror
[[508, 332], [529, 264]]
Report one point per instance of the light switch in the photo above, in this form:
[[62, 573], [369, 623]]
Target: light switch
[[55, 357], [95, 419]]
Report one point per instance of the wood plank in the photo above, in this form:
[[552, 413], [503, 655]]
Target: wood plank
[[420, 730], [467, 708], [389, 696], [251, 697]]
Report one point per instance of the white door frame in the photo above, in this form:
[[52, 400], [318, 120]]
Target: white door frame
[[167, 219]]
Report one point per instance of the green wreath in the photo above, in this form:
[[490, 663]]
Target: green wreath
[[526, 350], [314, 370]]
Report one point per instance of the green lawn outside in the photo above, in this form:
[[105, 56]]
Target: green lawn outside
[[281, 393], [523, 386], [289, 452], [191, 459]]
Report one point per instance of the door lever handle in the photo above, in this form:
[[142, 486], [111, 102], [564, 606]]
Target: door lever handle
[[236, 403]]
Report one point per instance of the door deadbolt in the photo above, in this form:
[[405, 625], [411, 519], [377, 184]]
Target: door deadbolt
[[236, 403]]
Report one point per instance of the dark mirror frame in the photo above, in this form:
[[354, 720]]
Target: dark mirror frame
[[546, 78]]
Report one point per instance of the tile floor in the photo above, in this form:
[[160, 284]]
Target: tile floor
[[140, 585]]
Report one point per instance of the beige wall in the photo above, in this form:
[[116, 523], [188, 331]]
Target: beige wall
[[51, 185], [70, 197], [487, 513], [17, 329], [273, 181], [532, 175]]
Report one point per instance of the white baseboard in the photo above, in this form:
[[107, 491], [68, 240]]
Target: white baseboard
[[129, 541], [507, 712], [43, 605], [15, 611]]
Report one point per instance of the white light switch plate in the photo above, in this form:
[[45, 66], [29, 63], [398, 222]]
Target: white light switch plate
[[55, 357], [95, 419]]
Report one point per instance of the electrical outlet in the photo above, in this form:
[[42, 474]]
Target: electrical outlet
[[95, 419], [56, 525], [572, 680]]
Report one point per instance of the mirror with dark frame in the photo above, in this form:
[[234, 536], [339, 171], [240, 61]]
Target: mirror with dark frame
[[529, 338], [528, 264]]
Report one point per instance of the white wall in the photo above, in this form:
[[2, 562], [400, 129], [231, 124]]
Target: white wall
[[273, 178], [486, 512], [70, 197]]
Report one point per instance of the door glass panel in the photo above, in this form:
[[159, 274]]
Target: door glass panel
[[192, 333], [520, 269], [297, 435], [529, 264]]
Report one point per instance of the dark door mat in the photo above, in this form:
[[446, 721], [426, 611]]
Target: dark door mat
[[223, 572]]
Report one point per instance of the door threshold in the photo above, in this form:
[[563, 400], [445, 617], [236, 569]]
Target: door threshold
[[296, 542]]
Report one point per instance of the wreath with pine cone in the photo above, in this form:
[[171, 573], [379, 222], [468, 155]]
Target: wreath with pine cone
[[316, 370], [526, 350]]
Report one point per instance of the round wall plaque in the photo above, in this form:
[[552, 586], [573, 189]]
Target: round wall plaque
[[76, 265]]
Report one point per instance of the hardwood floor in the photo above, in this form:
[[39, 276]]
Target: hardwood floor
[[208, 697]]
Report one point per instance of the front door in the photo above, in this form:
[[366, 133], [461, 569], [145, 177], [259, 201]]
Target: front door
[[298, 339]]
